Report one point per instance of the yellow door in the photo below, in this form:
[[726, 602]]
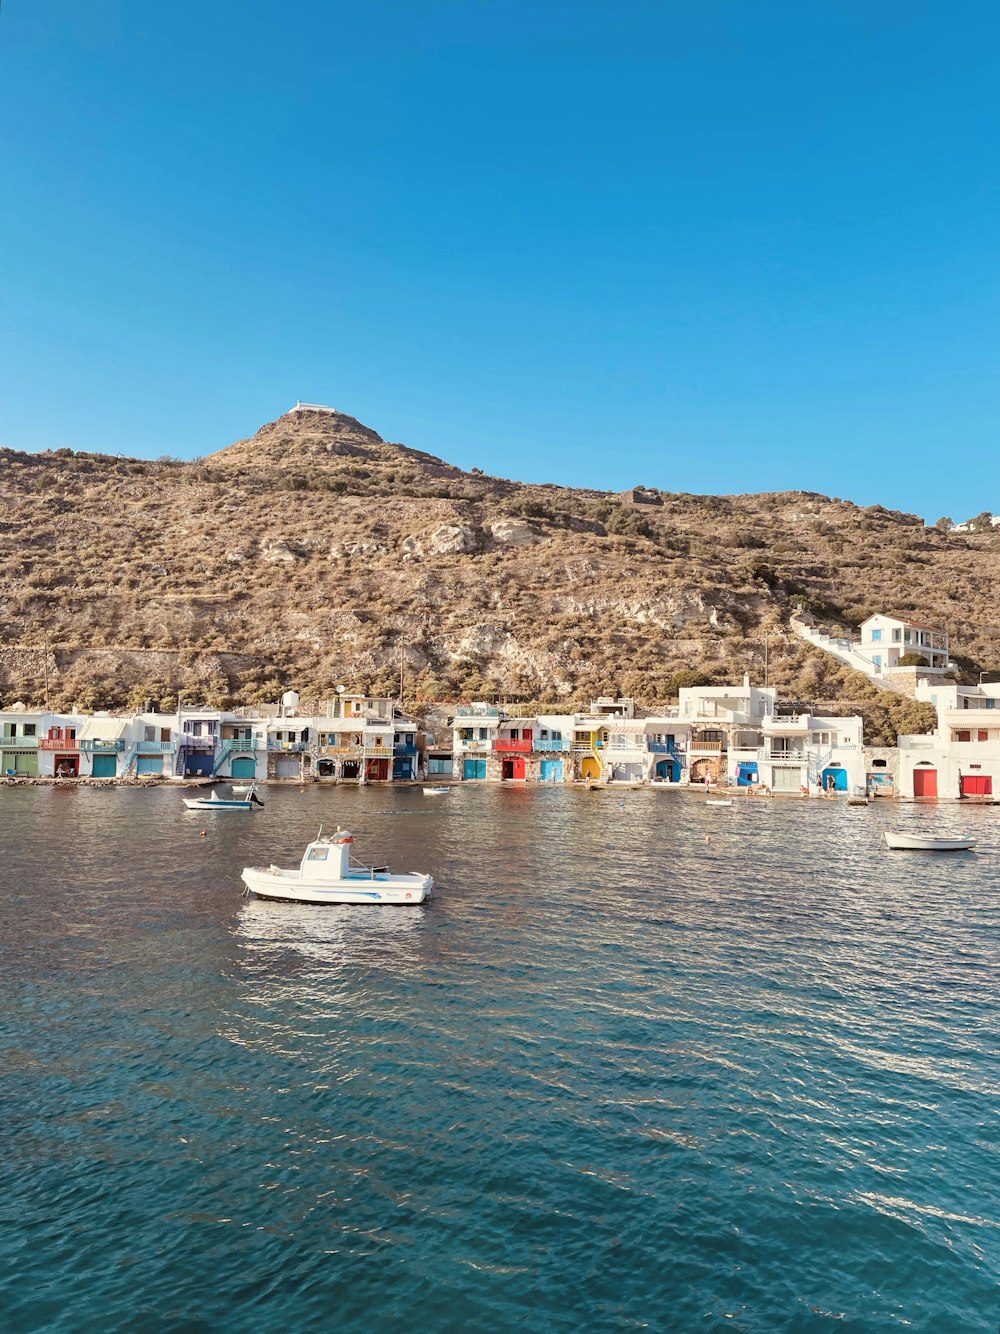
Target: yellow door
[[591, 767]]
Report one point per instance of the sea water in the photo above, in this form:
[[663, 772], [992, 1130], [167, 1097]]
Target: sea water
[[641, 1064]]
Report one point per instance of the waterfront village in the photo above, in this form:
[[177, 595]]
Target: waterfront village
[[739, 737]]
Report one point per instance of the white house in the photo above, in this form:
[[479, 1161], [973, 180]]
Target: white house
[[885, 639], [961, 758]]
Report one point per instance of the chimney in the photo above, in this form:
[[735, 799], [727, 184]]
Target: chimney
[[746, 680]]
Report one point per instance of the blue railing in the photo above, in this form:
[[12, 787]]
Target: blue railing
[[404, 748], [541, 743], [155, 747], [662, 748], [94, 743]]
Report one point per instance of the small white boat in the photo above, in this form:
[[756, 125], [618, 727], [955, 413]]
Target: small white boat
[[718, 801], [924, 843], [436, 791], [326, 875], [217, 803], [241, 789]]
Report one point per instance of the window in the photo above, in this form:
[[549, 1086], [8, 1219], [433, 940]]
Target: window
[[982, 735], [556, 736], [991, 703], [149, 734], [963, 735], [29, 729], [895, 636], [318, 854], [483, 733], [876, 636]]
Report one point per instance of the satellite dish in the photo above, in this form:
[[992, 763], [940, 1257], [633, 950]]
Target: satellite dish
[[341, 689]]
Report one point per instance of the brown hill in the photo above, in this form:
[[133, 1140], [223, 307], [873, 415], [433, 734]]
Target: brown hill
[[316, 553]]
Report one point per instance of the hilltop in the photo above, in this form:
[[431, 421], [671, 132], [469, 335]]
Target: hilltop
[[316, 553]]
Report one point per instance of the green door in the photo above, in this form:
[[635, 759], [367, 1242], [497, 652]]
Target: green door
[[104, 766], [26, 763], [244, 768]]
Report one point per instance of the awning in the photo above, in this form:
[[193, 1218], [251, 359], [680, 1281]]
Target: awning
[[102, 729]]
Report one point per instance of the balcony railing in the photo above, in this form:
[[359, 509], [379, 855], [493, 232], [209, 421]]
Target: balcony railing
[[56, 743], [661, 747], [482, 746], [293, 747], [507, 746], [404, 748], [707, 747], [155, 747], [792, 756], [550, 743], [19, 743], [191, 742], [96, 744]]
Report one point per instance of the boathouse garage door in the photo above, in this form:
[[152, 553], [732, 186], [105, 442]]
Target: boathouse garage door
[[244, 768], [787, 778], [105, 766], [925, 782], [288, 769], [552, 771], [474, 768], [977, 785], [149, 764]]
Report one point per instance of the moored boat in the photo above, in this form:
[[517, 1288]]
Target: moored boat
[[436, 791], [327, 875], [217, 803], [925, 843], [718, 801]]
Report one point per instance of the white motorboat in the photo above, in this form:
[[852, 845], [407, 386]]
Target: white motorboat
[[436, 791], [217, 803], [327, 875], [241, 789], [924, 843], [718, 801]]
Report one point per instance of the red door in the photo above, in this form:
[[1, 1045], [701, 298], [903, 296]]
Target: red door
[[925, 782], [518, 767], [977, 785]]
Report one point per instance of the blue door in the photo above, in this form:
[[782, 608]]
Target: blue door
[[835, 777], [149, 764], [402, 768], [244, 768], [746, 773], [552, 771], [474, 769], [668, 770], [104, 766]]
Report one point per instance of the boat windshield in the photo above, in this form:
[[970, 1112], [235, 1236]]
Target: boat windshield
[[317, 854]]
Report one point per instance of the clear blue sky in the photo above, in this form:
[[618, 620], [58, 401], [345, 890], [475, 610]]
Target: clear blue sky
[[708, 246]]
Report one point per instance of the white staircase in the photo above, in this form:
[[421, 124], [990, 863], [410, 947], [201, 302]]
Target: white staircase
[[847, 651]]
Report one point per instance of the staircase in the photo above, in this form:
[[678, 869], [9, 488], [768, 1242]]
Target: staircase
[[129, 761], [228, 747]]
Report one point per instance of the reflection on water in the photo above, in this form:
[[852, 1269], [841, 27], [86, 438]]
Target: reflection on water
[[642, 1063]]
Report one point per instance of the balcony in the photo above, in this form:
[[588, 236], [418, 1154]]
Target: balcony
[[90, 744], [52, 742], [191, 742], [787, 756], [292, 747], [662, 748], [404, 748], [707, 747], [482, 746], [550, 743], [155, 747], [20, 743], [508, 746]]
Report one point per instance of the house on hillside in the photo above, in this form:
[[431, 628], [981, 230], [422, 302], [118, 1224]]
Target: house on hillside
[[885, 639]]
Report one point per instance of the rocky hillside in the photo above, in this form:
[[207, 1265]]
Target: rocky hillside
[[316, 553]]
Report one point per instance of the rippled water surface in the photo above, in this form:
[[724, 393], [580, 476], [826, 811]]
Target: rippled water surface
[[642, 1064]]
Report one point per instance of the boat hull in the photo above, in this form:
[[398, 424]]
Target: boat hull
[[921, 843], [379, 888]]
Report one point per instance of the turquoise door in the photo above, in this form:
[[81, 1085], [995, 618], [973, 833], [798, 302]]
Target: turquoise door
[[474, 769], [104, 766], [149, 764], [839, 777], [552, 771], [244, 767]]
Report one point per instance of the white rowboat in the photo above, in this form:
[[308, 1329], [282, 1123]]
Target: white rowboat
[[436, 791], [924, 843]]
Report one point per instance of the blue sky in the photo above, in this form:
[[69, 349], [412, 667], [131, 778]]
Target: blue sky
[[710, 246]]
